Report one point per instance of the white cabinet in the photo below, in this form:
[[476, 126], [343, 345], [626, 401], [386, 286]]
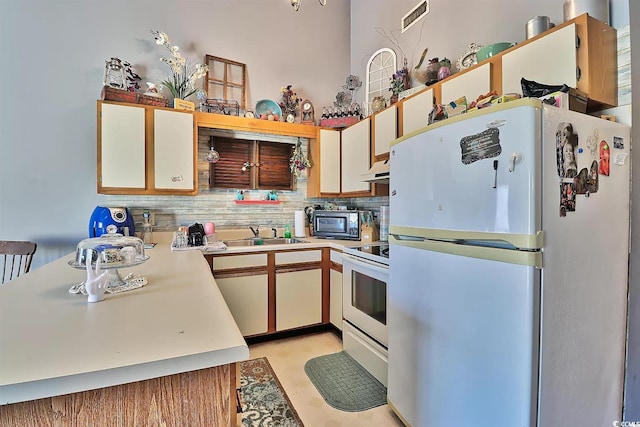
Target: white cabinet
[[385, 130], [243, 281], [121, 162], [415, 111], [298, 289], [173, 150], [335, 291], [339, 158], [549, 60], [298, 299], [471, 84], [247, 299], [145, 151], [356, 157], [580, 53], [329, 161]]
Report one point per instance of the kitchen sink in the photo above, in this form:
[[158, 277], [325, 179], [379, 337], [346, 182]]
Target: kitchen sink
[[257, 242]]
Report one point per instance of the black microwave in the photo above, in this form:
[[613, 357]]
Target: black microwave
[[336, 225]]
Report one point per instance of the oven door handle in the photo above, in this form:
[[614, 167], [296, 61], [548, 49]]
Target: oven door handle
[[365, 263]]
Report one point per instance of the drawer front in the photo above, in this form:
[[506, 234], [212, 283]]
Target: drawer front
[[239, 261], [298, 257]]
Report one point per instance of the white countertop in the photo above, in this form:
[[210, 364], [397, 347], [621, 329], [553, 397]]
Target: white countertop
[[53, 342]]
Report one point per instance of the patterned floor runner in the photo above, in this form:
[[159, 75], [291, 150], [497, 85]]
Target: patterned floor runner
[[262, 399]]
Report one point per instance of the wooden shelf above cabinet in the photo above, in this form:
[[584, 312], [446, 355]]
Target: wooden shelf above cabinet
[[221, 121]]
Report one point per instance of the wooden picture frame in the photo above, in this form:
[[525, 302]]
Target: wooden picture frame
[[226, 80]]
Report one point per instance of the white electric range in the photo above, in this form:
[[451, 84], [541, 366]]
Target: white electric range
[[365, 274]]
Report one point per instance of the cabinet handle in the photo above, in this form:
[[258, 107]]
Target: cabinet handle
[[578, 73], [577, 42]]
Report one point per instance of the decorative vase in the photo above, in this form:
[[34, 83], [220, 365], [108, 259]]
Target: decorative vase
[[394, 98]]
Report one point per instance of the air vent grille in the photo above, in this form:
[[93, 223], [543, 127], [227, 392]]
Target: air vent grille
[[414, 15]]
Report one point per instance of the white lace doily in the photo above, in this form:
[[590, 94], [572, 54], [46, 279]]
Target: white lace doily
[[130, 282]]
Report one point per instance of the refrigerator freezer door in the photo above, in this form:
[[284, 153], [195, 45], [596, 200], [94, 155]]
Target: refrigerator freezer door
[[462, 340], [444, 178]]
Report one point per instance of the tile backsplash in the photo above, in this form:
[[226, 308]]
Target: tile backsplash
[[218, 205]]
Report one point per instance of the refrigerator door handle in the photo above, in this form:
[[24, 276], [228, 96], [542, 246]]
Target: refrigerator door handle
[[511, 256], [524, 242]]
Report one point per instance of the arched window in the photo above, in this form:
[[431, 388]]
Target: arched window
[[380, 68]]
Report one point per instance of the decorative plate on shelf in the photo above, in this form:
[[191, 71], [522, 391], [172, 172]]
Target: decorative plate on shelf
[[267, 106], [468, 58]]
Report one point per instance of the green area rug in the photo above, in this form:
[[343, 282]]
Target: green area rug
[[262, 399], [344, 384]]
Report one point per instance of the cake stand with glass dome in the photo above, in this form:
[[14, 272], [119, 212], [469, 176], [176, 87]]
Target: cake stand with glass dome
[[114, 251]]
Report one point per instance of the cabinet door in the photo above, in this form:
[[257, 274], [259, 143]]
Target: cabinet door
[[470, 84], [298, 299], [385, 130], [549, 60], [356, 156], [174, 150], [122, 147], [415, 111], [335, 300], [247, 299], [329, 161]]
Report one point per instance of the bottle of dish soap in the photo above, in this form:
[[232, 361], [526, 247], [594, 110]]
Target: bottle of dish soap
[[287, 231], [147, 228]]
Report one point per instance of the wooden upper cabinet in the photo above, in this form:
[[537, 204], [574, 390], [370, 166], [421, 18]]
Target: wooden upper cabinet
[[384, 131], [324, 154], [550, 60], [121, 147], [144, 150], [470, 84], [173, 151], [414, 111], [580, 53], [329, 161], [356, 157]]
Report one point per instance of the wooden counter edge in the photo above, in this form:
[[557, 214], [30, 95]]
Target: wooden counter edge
[[205, 397]]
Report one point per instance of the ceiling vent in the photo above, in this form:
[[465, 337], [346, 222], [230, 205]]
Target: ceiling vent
[[414, 15]]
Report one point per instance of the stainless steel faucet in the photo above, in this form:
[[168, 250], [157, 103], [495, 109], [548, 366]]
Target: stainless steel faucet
[[256, 232]]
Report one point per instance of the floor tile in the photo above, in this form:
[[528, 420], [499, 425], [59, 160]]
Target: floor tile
[[288, 357]]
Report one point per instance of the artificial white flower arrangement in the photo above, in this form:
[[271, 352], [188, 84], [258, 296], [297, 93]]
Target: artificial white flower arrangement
[[184, 74]]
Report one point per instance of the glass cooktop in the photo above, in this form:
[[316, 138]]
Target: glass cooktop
[[378, 251]]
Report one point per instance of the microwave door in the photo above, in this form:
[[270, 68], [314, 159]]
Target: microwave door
[[332, 225]]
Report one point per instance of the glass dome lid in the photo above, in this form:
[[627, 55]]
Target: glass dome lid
[[113, 250]]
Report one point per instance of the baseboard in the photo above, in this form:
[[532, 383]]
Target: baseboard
[[294, 333]]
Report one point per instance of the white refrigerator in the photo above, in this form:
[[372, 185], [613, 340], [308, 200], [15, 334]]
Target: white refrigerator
[[509, 233]]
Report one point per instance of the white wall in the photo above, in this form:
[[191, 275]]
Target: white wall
[[53, 52]]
